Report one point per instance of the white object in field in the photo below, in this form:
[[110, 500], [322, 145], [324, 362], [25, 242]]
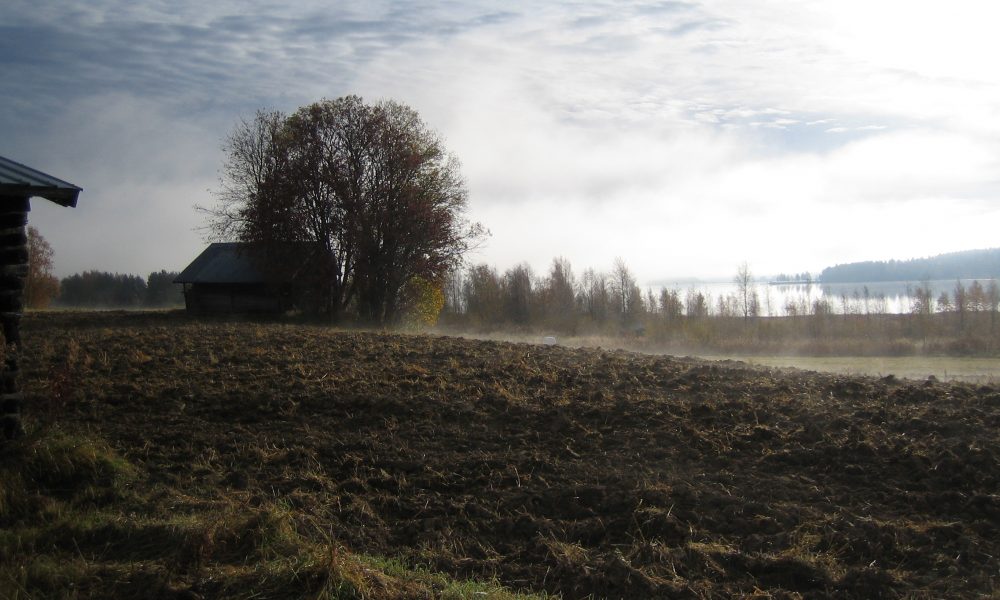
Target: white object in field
[[549, 340]]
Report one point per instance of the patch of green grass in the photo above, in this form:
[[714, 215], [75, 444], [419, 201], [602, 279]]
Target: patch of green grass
[[77, 523], [445, 587], [48, 471]]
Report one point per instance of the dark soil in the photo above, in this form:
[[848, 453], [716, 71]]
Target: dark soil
[[580, 472]]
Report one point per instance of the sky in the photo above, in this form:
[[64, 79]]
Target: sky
[[684, 137]]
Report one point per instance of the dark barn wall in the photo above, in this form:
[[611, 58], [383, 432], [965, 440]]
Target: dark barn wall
[[13, 271], [234, 298]]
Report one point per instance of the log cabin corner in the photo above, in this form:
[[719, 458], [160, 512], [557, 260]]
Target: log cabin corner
[[18, 185]]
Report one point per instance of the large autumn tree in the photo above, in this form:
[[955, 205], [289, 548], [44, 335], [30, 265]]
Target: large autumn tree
[[370, 184], [40, 285]]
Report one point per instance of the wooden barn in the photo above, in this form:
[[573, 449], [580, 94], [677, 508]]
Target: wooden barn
[[18, 184], [232, 277]]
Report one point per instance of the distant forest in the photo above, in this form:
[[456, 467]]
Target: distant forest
[[970, 264], [98, 289]]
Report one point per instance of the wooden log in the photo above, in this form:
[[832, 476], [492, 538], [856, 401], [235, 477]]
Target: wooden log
[[11, 282], [13, 270], [16, 255], [10, 220], [15, 238], [15, 204], [12, 302], [11, 399]]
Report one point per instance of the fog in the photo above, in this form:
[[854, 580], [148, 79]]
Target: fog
[[683, 137], [915, 368]]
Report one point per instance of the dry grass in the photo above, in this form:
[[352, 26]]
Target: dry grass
[[77, 523], [274, 460]]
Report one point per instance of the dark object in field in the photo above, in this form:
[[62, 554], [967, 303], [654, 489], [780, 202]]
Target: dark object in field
[[250, 278], [18, 184]]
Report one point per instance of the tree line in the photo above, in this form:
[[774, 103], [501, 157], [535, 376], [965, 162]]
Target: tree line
[[604, 301], [559, 300], [99, 289], [970, 264], [93, 289], [965, 320], [483, 297]]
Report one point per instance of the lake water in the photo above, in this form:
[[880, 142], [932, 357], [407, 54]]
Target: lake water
[[888, 297]]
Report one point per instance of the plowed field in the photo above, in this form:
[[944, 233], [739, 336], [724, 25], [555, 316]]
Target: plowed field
[[579, 472]]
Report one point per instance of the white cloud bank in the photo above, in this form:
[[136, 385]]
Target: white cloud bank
[[683, 137]]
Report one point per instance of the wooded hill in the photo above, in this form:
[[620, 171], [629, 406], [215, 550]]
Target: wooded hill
[[969, 264]]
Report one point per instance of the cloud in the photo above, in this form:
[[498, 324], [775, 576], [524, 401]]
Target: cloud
[[684, 136], [899, 194], [695, 25], [897, 166], [220, 55], [661, 8], [141, 171]]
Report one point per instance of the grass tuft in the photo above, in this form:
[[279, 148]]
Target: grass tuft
[[49, 468], [71, 529]]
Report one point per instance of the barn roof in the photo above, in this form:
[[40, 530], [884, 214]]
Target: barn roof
[[234, 262], [20, 180]]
